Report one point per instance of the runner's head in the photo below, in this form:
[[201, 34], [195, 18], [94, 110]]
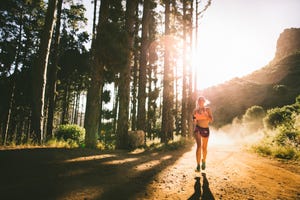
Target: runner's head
[[202, 101]]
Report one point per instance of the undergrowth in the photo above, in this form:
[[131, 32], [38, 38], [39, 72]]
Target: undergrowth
[[282, 133]]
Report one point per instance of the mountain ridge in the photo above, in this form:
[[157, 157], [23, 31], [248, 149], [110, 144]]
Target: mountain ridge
[[274, 85]]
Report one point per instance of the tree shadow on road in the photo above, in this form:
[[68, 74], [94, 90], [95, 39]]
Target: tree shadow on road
[[205, 194], [81, 173]]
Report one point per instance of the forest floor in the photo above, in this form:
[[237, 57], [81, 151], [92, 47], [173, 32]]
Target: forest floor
[[80, 174]]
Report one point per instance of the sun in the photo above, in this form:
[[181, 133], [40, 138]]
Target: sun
[[220, 58]]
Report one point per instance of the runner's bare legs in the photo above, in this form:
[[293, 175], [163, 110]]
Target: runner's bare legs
[[204, 148], [198, 150]]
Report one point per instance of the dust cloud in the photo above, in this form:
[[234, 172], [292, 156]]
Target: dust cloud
[[237, 133]]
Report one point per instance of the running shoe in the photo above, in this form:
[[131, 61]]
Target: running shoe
[[197, 168], [203, 166]]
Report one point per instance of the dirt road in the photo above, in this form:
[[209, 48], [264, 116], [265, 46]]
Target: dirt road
[[231, 173]]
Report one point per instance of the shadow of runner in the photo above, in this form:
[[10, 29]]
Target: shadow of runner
[[206, 193], [197, 188]]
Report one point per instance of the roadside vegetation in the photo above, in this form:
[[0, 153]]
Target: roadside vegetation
[[281, 129], [72, 136]]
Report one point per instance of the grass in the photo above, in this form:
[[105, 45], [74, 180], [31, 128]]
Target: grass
[[155, 144], [277, 151], [178, 143]]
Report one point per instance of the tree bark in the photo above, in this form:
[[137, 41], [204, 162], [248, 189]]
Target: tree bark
[[40, 71], [124, 91], [135, 74], [93, 104], [184, 75], [53, 73], [168, 93], [141, 114]]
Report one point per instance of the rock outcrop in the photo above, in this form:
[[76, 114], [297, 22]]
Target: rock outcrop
[[288, 43]]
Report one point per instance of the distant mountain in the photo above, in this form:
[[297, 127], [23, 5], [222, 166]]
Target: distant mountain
[[274, 85]]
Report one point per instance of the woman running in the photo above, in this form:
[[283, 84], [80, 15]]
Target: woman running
[[202, 116]]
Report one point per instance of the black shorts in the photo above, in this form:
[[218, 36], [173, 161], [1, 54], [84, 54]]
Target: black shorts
[[204, 132]]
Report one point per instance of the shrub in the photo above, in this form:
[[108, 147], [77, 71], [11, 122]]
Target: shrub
[[70, 133], [277, 117], [254, 113], [298, 99], [282, 128], [252, 119], [263, 149], [287, 137], [285, 153], [280, 90], [53, 142]]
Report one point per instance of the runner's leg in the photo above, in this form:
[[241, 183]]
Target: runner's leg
[[204, 148], [198, 150]]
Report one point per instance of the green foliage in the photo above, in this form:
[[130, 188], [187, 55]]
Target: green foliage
[[280, 90], [60, 143], [107, 140], [269, 148], [254, 113], [287, 137], [278, 117], [176, 145], [251, 121], [71, 133], [263, 149], [171, 146], [285, 152], [298, 100], [282, 139]]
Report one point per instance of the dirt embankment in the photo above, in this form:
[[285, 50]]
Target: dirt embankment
[[231, 173]]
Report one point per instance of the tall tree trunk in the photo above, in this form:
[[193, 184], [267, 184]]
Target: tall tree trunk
[[8, 118], [152, 114], [168, 91], [53, 73], [39, 72], [184, 75], [141, 116], [93, 104], [94, 19], [76, 107], [196, 42], [135, 74], [190, 92], [124, 91], [13, 81], [115, 108], [65, 103]]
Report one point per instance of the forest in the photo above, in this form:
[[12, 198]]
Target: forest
[[132, 71]]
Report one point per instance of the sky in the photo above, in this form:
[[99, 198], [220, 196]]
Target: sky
[[237, 37]]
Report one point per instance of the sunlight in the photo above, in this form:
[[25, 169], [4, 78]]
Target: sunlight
[[220, 138], [152, 163], [236, 38], [88, 158], [220, 59], [120, 161], [93, 192]]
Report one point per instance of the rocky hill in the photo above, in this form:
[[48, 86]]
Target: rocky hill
[[276, 84], [288, 43]]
